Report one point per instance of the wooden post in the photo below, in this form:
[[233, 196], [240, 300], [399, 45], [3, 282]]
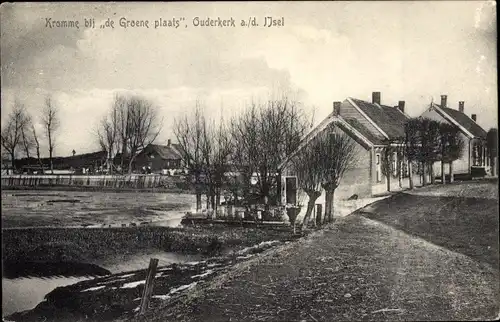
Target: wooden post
[[148, 287]]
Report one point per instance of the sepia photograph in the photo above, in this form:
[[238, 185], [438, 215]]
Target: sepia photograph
[[249, 161]]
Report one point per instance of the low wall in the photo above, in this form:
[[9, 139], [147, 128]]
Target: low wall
[[111, 181]]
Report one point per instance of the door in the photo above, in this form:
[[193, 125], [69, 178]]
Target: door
[[291, 190]]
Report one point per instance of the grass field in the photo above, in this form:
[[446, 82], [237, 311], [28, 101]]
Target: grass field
[[465, 223], [95, 245]]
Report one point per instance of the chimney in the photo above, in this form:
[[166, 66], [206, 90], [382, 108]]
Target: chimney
[[168, 142], [336, 108], [461, 106], [401, 106], [376, 98], [443, 100], [474, 117]]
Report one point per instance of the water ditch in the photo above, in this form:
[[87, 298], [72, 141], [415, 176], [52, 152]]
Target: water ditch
[[25, 284]]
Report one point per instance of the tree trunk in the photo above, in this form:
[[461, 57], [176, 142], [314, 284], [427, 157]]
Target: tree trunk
[[51, 163], [493, 164], [13, 160], [235, 197], [278, 188], [388, 180], [319, 212], [410, 175], [212, 201], [217, 200], [313, 196], [431, 172], [443, 177], [198, 201], [451, 172], [331, 216], [424, 174], [39, 159], [265, 193], [400, 175], [121, 164], [130, 162], [329, 205]]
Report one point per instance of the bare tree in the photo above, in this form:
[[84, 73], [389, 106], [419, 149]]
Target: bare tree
[[26, 135], [402, 167], [216, 150], [108, 133], [307, 166], [387, 162], [412, 146], [12, 131], [423, 144], [51, 122], [338, 152], [37, 145], [263, 136], [392, 163], [451, 147], [138, 125], [190, 136], [431, 141]]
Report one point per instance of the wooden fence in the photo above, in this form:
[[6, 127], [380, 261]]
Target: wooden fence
[[135, 181]]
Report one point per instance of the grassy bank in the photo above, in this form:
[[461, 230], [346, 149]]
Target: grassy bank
[[467, 225], [93, 245]]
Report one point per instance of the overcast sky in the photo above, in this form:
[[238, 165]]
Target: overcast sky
[[412, 51]]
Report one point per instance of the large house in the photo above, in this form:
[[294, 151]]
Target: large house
[[474, 155], [158, 158], [373, 126]]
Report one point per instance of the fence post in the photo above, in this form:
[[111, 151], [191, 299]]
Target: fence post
[[148, 287]]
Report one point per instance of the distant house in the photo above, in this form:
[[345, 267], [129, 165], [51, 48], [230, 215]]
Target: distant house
[[157, 157], [7, 167], [372, 126], [474, 136]]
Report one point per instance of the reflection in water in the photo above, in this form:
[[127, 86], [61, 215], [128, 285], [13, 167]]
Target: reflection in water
[[24, 293], [12, 270]]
